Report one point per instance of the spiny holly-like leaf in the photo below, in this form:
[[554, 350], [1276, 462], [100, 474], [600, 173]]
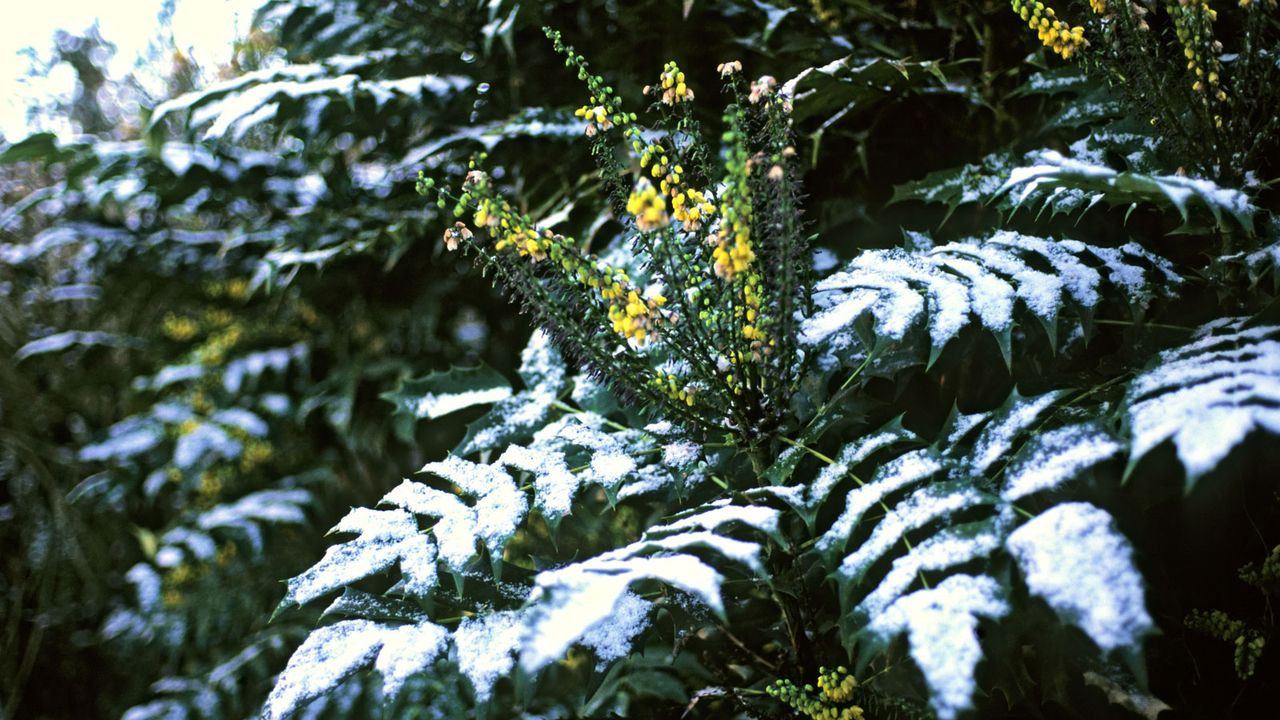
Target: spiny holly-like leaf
[[850, 84], [941, 625], [1073, 557], [233, 107], [444, 392], [385, 538], [1049, 170], [972, 183], [881, 295], [1208, 395]]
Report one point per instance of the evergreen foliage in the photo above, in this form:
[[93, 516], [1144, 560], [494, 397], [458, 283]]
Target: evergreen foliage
[[920, 378]]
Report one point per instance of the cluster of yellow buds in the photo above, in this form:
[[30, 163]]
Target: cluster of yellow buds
[[1055, 34], [255, 453], [691, 208], [1247, 641], [596, 116], [673, 388], [1193, 24], [180, 328], [235, 289], [507, 228], [648, 207], [674, 87], [635, 318], [829, 702], [214, 350], [1099, 7], [837, 685], [654, 158], [729, 260]]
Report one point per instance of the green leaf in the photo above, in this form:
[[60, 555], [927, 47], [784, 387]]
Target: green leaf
[[444, 392]]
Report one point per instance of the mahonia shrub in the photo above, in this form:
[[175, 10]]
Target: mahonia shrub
[[714, 490]]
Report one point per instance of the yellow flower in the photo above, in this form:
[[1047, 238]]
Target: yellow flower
[[647, 206]]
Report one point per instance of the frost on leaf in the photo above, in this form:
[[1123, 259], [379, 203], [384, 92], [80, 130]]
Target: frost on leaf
[[1208, 395], [941, 626], [385, 537], [1073, 557], [328, 656], [1051, 459]]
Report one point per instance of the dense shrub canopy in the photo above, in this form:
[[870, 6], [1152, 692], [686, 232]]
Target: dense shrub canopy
[[760, 359]]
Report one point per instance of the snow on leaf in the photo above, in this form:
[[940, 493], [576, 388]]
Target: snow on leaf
[[569, 603], [1073, 557], [1080, 280], [499, 507], [948, 548], [441, 393], [941, 626], [1056, 457], [759, 517], [455, 530], [920, 508], [554, 485], [385, 537], [850, 456], [483, 647], [1008, 424], [612, 637], [406, 650], [541, 364], [1208, 396], [904, 471], [328, 656]]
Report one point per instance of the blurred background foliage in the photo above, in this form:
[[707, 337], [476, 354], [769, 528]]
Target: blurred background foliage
[[201, 302]]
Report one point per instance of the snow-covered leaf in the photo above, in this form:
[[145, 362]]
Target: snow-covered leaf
[[441, 393], [882, 295], [1207, 396], [1073, 557], [941, 626]]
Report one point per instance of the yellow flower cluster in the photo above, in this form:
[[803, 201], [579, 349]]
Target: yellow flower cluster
[[597, 117], [1193, 24], [179, 328], [674, 87], [1099, 7], [506, 227], [634, 319], [255, 453], [691, 207], [1055, 34], [837, 685], [670, 385], [830, 702], [648, 207]]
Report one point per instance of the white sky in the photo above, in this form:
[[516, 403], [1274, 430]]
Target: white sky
[[205, 27]]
